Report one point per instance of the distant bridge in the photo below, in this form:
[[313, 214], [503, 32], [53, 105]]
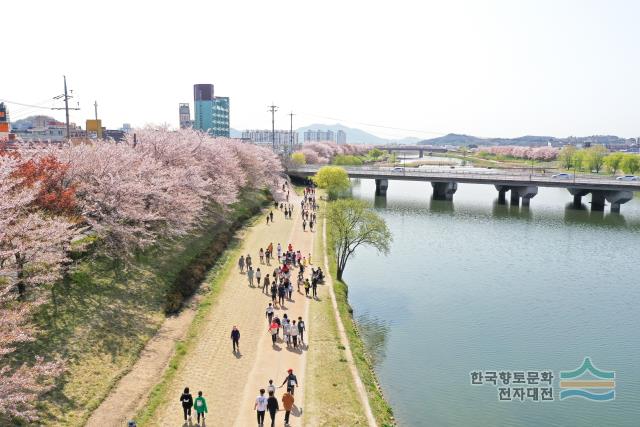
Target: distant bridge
[[420, 149], [520, 185]]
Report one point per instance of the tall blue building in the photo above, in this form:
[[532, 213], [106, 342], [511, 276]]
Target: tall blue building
[[211, 112], [220, 116], [203, 104]]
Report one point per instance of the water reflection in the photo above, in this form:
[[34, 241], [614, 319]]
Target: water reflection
[[380, 202], [584, 215], [438, 206], [507, 210], [374, 333]]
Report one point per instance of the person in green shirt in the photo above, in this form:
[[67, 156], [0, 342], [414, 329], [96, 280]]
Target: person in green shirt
[[201, 406]]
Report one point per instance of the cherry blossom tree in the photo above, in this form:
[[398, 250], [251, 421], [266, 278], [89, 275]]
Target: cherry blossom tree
[[532, 153], [32, 249], [323, 152]]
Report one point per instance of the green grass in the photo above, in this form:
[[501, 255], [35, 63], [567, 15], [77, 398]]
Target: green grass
[[382, 411], [84, 321]]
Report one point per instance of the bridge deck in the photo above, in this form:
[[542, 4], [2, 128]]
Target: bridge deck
[[474, 177]]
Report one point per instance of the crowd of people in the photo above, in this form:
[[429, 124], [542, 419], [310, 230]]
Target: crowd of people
[[289, 265]]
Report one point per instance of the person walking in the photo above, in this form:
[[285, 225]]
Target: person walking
[[201, 407], [265, 284], [301, 328], [304, 225], [294, 334], [258, 276], [287, 404], [286, 331], [279, 249], [269, 313], [314, 286], [274, 292], [247, 260], [241, 264], [261, 254], [271, 216], [307, 285], [291, 381], [277, 321], [281, 294], [260, 407], [273, 330], [272, 407], [267, 219], [187, 403], [311, 226], [235, 338], [271, 388], [250, 276]]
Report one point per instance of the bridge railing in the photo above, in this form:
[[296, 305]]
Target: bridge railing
[[497, 174]]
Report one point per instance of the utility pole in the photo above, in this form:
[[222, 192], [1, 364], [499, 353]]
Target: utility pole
[[66, 108], [95, 106], [291, 133], [273, 109]]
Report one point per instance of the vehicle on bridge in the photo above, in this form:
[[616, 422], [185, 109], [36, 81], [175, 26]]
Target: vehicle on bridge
[[628, 178], [562, 176]]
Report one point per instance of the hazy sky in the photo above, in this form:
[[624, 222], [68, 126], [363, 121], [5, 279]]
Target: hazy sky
[[487, 68]]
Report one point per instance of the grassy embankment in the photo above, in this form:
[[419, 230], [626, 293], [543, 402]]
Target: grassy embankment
[[332, 395], [102, 315], [488, 161]]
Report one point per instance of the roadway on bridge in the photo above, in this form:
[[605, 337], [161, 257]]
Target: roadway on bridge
[[491, 177]]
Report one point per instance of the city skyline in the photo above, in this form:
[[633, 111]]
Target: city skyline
[[491, 70]]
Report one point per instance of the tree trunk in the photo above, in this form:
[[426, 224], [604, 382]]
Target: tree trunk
[[22, 289]]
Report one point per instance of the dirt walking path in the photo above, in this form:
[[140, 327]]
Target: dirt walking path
[[229, 381]]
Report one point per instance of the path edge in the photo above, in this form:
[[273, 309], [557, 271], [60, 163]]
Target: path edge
[[362, 391]]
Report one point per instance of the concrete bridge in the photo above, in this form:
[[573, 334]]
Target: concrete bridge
[[520, 185], [420, 149]]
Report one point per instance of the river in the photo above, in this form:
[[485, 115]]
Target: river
[[471, 285]]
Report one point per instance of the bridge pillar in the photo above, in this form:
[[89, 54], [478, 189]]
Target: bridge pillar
[[444, 190], [597, 200], [616, 198], [381, 187], [421, 155], [524, 193], [577, 194], [502, 189]]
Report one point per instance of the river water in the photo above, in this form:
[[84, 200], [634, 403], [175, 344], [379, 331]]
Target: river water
[[471, 285]]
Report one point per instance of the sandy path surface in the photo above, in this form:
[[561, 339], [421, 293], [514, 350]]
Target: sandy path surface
[[230, 382]]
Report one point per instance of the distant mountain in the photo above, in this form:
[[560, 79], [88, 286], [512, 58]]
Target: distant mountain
[[453, 139], [356, 136], [457, 139]]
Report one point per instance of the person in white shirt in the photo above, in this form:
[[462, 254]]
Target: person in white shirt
[[260, 407], [271, 387], [294, 334]]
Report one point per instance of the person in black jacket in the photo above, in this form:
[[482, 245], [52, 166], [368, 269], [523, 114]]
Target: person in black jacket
[[235, 338], [187, 403], [272, 407]]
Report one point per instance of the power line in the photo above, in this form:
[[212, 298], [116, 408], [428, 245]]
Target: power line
[[25, 105], [374, 125]]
